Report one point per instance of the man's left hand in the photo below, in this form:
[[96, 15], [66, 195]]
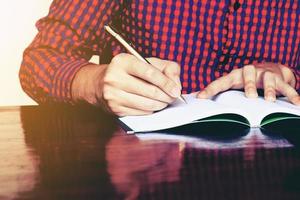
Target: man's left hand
[[274, 78]]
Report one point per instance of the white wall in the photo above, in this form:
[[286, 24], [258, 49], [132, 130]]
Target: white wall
[[17, 29]]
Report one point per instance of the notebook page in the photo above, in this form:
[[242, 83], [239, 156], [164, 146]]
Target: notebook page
[[255, 108], [283, 101], [177, 114]]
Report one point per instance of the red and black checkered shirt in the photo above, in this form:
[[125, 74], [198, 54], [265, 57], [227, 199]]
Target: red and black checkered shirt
[[208, 38]]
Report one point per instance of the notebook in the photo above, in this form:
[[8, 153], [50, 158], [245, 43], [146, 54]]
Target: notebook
[[228, 107]]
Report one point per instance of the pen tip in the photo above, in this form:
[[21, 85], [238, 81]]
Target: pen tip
[[182, 99]]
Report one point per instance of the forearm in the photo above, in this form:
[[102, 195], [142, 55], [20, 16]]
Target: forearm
[[66, 40], [47, 76]]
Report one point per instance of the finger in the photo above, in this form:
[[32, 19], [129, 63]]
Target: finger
[[139, 87], [217, 86], [134, 101], [269, 86], [295, 100], [125, 111], [169, 72], [249, 76], [288, 75], [154, 76], [288, 91], [169, 68], [172, 70]]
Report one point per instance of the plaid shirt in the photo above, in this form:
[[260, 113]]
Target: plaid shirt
[[208, 38]]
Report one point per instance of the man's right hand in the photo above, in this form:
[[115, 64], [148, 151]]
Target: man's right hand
[[128, 86]]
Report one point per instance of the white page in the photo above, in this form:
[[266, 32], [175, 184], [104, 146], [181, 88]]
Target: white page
[[235, 102], [256, 108], [177, 114]]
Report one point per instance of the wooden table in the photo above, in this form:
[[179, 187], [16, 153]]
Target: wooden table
[[65, 152]]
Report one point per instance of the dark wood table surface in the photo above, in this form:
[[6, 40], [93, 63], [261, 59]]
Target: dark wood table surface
[[65, 152]]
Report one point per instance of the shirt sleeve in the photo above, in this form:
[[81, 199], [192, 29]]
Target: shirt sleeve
[[67, 38]]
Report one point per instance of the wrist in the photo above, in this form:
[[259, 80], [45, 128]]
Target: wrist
[[87, 84]]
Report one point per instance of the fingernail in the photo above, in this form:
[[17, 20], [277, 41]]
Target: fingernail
[[252, 93], [271, 98], [202, 95], [178, 82], [296, 100], [175, 92]]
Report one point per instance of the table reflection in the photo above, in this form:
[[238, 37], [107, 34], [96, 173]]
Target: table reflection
[[136, 166], [70, 143], [83, 154], [18, 164], [249, 167]]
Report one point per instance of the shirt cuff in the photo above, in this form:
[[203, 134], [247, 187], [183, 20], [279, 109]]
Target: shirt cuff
[[63, 78]]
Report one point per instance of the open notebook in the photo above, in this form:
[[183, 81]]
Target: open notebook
[[231, 106]]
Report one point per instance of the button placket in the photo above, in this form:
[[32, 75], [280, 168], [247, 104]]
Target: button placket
[[228, 49]]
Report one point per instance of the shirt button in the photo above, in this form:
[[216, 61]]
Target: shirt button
[[226, 60], [236, 5]]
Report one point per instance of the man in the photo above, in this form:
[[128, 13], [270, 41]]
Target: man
[[201, 45]]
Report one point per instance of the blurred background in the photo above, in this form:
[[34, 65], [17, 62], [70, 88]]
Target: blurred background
[[17, 24]]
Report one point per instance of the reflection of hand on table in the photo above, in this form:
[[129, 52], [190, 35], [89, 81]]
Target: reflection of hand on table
[[134, 164]]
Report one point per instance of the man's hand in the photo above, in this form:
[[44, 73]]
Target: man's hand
[[273, 78], [128, 86]]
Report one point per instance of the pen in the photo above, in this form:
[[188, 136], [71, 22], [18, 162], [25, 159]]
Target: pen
[[118, 37]]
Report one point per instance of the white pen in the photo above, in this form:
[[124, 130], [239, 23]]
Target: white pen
[[129, 48]]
